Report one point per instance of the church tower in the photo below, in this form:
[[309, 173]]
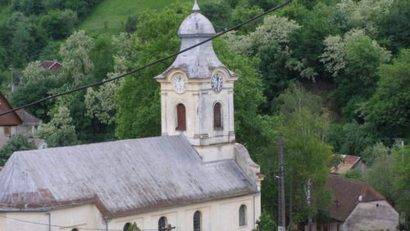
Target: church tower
[[197, 93]]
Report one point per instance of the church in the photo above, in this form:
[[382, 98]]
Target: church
[[194, 177]]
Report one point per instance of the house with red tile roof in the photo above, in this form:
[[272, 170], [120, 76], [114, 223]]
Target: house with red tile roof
[[348, 162], [18, 122]]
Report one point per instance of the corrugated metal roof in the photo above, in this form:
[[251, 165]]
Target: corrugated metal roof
[[121, 177], [27, 118]]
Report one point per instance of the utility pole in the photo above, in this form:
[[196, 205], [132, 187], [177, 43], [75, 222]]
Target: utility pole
[[281, 188]]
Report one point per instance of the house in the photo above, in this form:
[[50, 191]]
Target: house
[[51, 65], [193, 177], [357, 206], [348, 162], [18, 122]]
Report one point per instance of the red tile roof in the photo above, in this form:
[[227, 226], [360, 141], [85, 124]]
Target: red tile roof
[[11, 119], [347, 194], [51, 65], [348, 163]]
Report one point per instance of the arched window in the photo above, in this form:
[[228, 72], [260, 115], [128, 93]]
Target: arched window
[[162, 223], [242, 215], [197, 221], [217, 116], [126, 226], [181, 118]]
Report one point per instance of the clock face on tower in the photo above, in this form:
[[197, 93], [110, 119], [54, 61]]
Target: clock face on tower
[[179, 83], [217, 82]]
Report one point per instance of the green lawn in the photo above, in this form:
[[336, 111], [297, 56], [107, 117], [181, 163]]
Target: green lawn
[[110, 15]]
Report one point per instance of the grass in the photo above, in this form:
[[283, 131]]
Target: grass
[[110, 16]]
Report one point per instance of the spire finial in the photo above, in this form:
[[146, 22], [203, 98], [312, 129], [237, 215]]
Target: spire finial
[[196, 7]]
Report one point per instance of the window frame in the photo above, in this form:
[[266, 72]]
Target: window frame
[[162, 228], [181, 117], [197, 220], [218, 116], [243, 216]]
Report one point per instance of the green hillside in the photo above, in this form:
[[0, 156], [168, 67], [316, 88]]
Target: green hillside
[[110, 15]]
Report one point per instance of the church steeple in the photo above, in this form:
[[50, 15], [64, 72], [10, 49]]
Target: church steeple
[[197, 91]]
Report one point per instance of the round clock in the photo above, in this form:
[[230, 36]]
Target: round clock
[[179, 83], [217, 82]]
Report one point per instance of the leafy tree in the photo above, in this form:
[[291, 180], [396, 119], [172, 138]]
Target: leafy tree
[[131, 24], [76, 60], [15, 143], [388, 107], [133, 227], [402, 181], [265, 222], [59, 131], [353, 61], [375, 152], [365, 14], [36, 83], [219, 13], [59, 24], [352, 138], [25, 40], [394, 28], [307, 157]]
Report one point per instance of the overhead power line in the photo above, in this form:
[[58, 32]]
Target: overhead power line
[[149, 64]]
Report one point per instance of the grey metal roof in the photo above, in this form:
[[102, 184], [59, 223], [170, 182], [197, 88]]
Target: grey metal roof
[[197, 63], [120, 177]]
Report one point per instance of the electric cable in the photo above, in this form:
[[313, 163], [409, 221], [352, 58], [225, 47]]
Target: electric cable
[[149, 64]]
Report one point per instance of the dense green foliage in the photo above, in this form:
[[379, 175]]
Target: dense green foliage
[[15, 143], [331, 76]]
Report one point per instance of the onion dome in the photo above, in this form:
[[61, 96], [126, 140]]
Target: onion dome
[[199, 62]]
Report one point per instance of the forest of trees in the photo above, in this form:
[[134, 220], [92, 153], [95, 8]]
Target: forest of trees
[[331, 76]]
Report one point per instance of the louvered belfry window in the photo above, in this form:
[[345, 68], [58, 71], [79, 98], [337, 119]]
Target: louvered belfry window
[[197, 221], [181, 117], [217, 116]]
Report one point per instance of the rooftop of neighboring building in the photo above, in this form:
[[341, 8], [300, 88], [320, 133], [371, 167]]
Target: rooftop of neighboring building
[[347, 193]]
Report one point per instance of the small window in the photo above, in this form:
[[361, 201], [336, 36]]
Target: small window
[[197, 221], [75, 229], [242, 215], [7, 131], [217, 116], [181, 117], [162, 224], [126, 226]]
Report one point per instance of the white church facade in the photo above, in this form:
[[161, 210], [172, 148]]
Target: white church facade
[[194, 177]]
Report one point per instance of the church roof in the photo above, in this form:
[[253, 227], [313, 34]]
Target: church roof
[[196, 25], [121, 178], [197, 63]]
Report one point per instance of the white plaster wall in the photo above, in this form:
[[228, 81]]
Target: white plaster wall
[[199, 99], [221, 215], [376, 215], [81, 217]]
